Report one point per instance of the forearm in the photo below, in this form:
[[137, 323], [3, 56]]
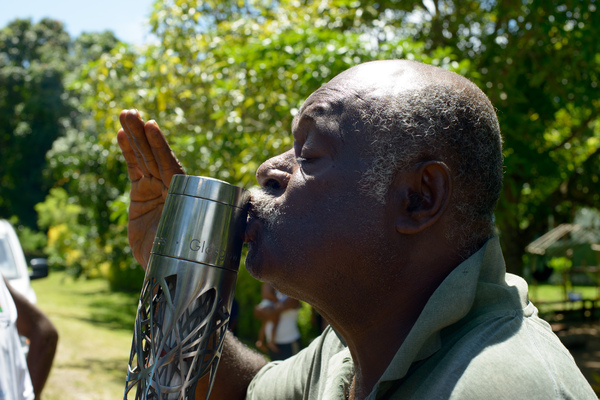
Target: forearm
[[274, 329], [288, 304], [237, 367], [41, 354], [43, 338], [272, 313]]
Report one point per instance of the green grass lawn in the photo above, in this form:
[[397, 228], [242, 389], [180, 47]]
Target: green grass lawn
[[550, 299], [545, 293], [95, 328]]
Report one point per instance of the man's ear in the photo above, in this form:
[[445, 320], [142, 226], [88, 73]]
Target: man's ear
[[422, 196]]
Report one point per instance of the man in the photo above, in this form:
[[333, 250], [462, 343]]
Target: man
[[381, 217], [21, 380]]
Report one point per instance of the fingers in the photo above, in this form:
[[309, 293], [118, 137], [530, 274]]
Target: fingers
[[167, 163], [133, 126], [145, 149], [134, 171]]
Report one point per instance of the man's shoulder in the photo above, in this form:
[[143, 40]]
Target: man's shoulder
[[314, 372], [508, 354]]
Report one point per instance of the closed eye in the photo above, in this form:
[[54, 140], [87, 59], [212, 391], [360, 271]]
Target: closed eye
[[304, 160]]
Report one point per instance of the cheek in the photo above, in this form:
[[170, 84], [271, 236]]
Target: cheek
[[287, 248], [329, 230], [323, 223]]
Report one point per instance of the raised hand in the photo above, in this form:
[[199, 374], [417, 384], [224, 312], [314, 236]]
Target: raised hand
[[150, 164]]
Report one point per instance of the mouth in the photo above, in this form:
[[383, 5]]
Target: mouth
[[262, 212], [251, 229]]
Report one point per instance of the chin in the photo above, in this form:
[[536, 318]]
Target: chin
[[254, 262], [263, 263]]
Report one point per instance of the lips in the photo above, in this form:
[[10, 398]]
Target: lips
[[263, 211], [248, 234], [252, 226]]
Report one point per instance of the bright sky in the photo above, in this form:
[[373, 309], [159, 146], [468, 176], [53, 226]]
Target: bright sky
[[126, 18]]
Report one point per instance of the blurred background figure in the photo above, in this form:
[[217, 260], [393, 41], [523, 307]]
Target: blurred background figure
[[268, 327], [20, 378], [279, 316]]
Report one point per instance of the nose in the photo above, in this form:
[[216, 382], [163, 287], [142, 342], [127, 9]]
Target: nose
[[275, 173]]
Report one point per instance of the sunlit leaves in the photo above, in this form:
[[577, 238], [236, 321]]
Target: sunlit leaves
[[226, 89], [33, 109], [225, 79]]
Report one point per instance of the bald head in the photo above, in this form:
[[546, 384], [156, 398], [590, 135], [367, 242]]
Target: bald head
[[386, 81], [391, 76], [414, 113]]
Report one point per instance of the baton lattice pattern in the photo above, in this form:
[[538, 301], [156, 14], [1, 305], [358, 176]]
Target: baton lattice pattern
[[170, 352]]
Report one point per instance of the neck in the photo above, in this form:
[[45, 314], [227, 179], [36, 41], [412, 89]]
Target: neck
[[374, 337], [374, 328]]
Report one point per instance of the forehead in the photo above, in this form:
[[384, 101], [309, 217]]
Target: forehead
[[330, 109], [350, 94]]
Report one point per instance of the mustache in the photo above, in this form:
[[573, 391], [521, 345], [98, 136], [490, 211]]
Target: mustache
[[262, 205]]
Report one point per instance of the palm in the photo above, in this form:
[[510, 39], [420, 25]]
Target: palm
[[151, 165], [147, 200]]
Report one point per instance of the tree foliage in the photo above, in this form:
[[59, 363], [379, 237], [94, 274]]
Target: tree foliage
[[225, 90], [539, 62], [43, 113], [89, 239], [32, 109], [225, 79]]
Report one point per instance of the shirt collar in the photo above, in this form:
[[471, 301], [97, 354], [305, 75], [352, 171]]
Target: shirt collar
[[451, 301]]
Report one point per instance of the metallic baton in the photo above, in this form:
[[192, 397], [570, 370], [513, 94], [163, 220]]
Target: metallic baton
[[186, 297]]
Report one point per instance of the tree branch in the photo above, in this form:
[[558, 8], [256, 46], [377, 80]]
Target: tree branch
[[577, 131], [566, 189]]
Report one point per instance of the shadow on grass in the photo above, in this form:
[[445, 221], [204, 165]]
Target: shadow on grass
[[112, 310], [114, 367], [116, 315]]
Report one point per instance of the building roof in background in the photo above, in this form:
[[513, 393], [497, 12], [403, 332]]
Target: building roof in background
[[565, 236]]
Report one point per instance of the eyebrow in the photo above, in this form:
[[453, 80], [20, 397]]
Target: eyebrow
[[295, 122], [299, 118], [317, 110]]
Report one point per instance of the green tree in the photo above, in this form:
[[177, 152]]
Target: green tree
[[225, 81], [90, 240], [32, 109], [539, 62], [226, 78]]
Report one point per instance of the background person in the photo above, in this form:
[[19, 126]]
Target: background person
[[286, 335], [269, 323], [22, 379]]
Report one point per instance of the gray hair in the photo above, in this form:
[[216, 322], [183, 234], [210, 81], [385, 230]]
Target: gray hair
[[453, 122]]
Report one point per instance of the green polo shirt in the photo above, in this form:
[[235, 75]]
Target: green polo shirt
[[478, 337]]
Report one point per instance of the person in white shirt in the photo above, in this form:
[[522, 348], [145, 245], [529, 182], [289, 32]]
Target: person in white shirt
[[285, 335], [22, 379]]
